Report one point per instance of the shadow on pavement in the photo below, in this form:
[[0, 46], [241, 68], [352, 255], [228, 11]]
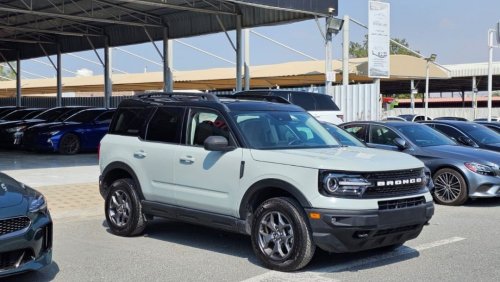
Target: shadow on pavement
[[201, 237], [483, 203], [48, 273], [17, 159]]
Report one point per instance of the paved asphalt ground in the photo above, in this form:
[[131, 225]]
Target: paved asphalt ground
[[460, 244]]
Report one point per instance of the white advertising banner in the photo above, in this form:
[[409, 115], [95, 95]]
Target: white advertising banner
[[379, 39]]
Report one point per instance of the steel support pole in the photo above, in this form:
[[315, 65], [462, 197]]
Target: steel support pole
[[490, 73], [345, 51], [474, 96], [246, 33], [412, 96], [18, 80], [108, 84], [168, 81], [426, 89], [239, 55], [59, 76], [328, 62]]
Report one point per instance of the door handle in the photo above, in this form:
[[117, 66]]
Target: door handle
[[187, 159], [140, 154]]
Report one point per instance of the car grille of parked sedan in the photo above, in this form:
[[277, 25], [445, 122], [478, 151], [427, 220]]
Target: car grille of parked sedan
[[13, 224], [401, 203], [14, 259], [395, 190]]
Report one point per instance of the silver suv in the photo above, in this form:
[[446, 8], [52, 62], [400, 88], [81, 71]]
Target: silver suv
[[268, 170]]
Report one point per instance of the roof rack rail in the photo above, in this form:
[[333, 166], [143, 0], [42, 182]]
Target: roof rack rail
[[201, 96], [256, 97]]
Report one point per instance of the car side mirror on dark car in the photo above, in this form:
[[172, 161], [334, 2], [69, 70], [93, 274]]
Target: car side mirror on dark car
[[466, 141], [217, 143], [400, 143]]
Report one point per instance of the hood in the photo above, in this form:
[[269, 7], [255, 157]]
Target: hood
[[12, 192], [466, 154], [356, 159], [27, 122], [51, 126]]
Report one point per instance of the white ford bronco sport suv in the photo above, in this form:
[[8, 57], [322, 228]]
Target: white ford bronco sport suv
[[265, 169]]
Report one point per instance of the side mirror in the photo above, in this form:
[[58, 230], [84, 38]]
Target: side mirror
[[217, 143], [466, 141], [400, 143]]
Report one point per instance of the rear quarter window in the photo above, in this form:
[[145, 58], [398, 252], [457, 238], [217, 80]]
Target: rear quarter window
[[129, 121]]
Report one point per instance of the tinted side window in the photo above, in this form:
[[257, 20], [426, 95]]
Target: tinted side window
[[358, 130], [106, 117], [448, 131], [166, 125], [325, 103], [304, 100], [382, 135], [129, 121]]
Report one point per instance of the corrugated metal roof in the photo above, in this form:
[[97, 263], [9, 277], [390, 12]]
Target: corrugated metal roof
[[25, 23], [470, 70]]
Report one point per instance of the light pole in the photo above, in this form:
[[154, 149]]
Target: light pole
[[333, 26], [432, 58]]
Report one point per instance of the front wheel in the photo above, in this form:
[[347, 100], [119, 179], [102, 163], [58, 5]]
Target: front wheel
[[123, 209], [281, 236], [69, 144], [450, 187]]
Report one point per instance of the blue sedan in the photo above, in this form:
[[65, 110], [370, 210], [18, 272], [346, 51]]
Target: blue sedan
[[78, 133]]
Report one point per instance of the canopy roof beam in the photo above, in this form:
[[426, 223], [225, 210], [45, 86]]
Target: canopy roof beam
[[223, 9]]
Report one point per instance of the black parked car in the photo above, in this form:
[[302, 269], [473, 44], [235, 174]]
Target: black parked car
[[468, 133], [495, 125], [4, 110], [25, 228], [458, 172], [451, 118], [21, 114], [11, 131]]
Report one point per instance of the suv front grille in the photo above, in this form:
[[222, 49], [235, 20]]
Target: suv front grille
[[394, 190], [401, 203], [13, 224]]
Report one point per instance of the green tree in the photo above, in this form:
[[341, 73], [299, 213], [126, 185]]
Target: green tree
[[360, 49]]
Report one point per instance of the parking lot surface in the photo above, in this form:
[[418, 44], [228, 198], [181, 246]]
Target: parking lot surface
[[460, 244]]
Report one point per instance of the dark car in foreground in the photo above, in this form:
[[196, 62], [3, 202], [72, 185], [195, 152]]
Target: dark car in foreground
[[458, 172], [495, 125], [468, 133], [80, 132], [25, 228], [451, 118], [21, 114], [11, 132]]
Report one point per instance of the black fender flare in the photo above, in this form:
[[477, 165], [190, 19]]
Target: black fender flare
[[122, 166], [270, 183]]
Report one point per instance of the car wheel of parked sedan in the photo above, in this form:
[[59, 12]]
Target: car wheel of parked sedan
[[450, 187], [281, 236], [69, 144], [123, 209]]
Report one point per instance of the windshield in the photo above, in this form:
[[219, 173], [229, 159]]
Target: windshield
[[17, 115], [50, 114], [283, 130], [343, 136], [424, 136], [481, 133], [85, 116]]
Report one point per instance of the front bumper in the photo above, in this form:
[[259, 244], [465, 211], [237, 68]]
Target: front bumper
[[342, 231], [30, 250], [481, 186]]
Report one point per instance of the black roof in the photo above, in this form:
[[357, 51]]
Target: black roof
[[207, 100], [395, 123], [274, 91]]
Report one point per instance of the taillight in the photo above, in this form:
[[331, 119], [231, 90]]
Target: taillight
[[341, 117]]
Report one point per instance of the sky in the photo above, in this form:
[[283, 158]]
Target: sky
[[455, 30]]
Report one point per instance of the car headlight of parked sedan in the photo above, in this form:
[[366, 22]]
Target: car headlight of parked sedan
[[38, 204], [480, 168]]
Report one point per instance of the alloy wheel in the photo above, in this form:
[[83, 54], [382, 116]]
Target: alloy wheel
[[119, 208], [276, 239], [447, 187]]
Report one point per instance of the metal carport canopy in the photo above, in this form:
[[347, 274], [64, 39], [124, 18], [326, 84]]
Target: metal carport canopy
[[25, 24]]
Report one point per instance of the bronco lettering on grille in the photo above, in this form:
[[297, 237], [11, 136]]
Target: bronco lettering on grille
[[399, 182]]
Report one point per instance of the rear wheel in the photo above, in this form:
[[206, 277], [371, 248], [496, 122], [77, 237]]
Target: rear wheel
[[123, 209], [69, 144], [281, 236], [450, 187]]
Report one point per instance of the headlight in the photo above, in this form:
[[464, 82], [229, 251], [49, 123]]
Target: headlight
[[15, 129], [428, 179], [480, 169], [38, 204], [51, 133], [345, 185]]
